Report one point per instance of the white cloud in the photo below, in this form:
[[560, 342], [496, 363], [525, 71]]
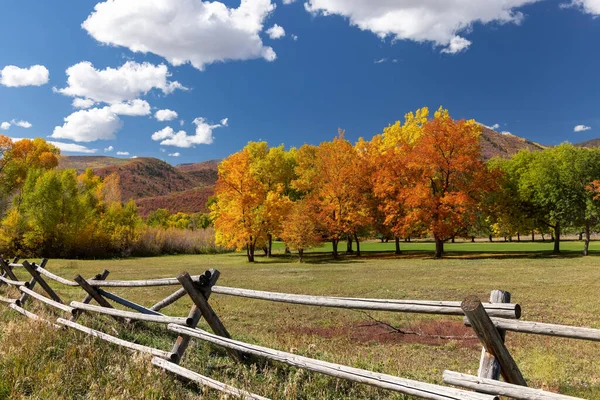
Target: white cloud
[[436, 21], [135, 107], [276, 32], [581, 128], [133, 156], [14, 76], [165, 115], [73, 148], [495, 126], [122, 153], [224, 122], [174, 154], [288, 1], [162, 150], [203, 134], [5, 126], [457, 44], [587, 6], [82, 103], [109, 149], [22, 124], [89, 125], [182, 31], [181, 122], [381, 60], [164, 133], [294, 37], [507, 133], [115, 85]]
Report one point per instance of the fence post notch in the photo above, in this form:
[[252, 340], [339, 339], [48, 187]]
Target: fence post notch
[[489, 367]]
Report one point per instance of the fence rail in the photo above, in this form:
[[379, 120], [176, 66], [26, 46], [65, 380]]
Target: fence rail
[[490, 322]]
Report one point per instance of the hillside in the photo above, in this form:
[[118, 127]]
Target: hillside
[[81, 163], [188, 201], [589, 143], [494, 144], [203, 174]]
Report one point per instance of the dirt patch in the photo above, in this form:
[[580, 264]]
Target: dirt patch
[[435, 333]]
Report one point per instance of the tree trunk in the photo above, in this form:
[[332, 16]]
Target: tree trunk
[[439, 247], [334, 245], [269, 245], [543, 237], [357, 244], [300, 254], [472, 239], [349, 245], [505, 239], [250, 252], [580, 235], [586, 244], [491, 238], [518, 236], [287, 250], [532, 235], [452, 239], [398, 245], [557, 238]]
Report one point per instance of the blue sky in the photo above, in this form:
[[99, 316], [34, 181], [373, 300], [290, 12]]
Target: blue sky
[[531, 67]]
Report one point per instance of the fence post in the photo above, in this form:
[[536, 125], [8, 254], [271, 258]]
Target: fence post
[[195, 314], [489, 367], [36, 275], [92, 292], [7, 269], [491, 339], [207, 312], [24, 296], [99, 277]]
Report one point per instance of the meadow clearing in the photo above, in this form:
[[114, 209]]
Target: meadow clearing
[[36, 361]]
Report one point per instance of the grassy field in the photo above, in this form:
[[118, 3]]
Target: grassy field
[[36, 362]]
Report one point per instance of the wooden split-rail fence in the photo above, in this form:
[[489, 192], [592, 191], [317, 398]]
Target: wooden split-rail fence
[[490, 322]]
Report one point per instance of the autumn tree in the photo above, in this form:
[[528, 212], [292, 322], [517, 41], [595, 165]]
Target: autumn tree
[[444, 177], [237, 211], [388, 154], [299, 229], [329, 175]]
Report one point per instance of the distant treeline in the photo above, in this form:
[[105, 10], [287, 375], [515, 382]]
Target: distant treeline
[[57, 213], [422, 178]]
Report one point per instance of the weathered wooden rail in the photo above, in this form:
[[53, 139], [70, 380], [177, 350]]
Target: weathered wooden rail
[[490, 321]]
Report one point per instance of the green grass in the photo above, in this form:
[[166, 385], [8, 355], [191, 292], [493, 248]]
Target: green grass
[[35, 361]]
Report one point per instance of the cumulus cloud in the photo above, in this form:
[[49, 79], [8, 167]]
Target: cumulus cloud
[[135, 107], [288, 1], [116, 85], [13, 76], [89, 125], [495, 126], [83, 103], [203, 134], [581, 128], [165, 115], [183, 31], [457, 44], [276, 32], [436, 21], [164, 133], [587, 6], [5, 126], [174, 154], [109, 149], [123, 153], [73, 148], [225, 122]]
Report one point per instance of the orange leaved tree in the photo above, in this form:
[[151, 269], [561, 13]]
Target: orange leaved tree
[[445, 178]]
